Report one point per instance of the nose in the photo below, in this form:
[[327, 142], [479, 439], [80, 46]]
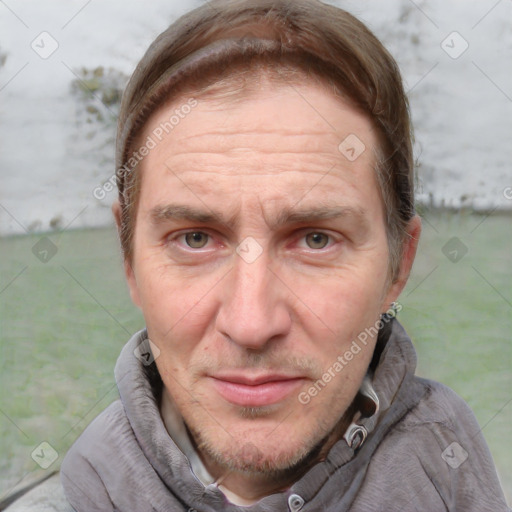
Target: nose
[[254, 307]]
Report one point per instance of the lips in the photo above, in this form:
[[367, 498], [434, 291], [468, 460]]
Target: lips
[[255, 391]]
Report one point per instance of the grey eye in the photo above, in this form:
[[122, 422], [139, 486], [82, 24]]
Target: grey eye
[[317, 240], [196, 240]]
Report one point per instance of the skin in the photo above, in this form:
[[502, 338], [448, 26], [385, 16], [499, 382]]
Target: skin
[[268, 168]]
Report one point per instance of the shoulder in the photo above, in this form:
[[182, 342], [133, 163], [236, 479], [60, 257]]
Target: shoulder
[[441, 406], [111, 422], [48, 496], [102, 435], [86, 463], [78, 475], [438, 454], [441, 432], [107, 468]]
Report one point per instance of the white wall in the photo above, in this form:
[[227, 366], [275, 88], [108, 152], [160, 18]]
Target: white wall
[[49, 167]]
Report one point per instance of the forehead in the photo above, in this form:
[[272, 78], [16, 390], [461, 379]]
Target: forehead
[[276, 143]]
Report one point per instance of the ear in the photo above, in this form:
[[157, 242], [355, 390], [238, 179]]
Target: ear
[[128, 267], [408, 254]]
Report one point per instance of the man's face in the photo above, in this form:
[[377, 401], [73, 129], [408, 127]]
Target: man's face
[[260, 254]]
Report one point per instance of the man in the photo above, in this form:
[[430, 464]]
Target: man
[[266, 217]]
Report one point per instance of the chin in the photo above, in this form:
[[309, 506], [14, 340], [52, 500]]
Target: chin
[[256, 453]]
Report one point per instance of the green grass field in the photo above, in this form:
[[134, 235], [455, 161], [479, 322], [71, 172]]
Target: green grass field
[[63, 323]]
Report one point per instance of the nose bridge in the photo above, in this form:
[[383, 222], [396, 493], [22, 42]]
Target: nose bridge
[[251, 285], [253, 309]]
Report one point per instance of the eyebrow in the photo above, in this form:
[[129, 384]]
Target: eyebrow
[[169, 212], [294, 215], [298, 216]]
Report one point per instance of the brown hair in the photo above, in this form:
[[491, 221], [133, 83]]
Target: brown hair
[[223, 39]]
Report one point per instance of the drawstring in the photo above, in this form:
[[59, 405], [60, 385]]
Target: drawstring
[[357, 433]]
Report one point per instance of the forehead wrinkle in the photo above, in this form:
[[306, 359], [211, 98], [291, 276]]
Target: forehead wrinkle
[[257, 132], [254, 131], [190, 165], [240, 150], [267, 143], [259, 139], [314, 157]]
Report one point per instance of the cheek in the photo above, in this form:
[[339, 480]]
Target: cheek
[[170, 301], [350, 297], [335, 313]]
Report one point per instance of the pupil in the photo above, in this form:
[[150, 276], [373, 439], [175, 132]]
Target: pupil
[[196, 240], [317, 240]]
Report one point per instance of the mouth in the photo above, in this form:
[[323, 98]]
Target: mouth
[[257, 390]]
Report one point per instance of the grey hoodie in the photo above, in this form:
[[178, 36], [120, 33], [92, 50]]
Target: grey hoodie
[[424, 452]]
